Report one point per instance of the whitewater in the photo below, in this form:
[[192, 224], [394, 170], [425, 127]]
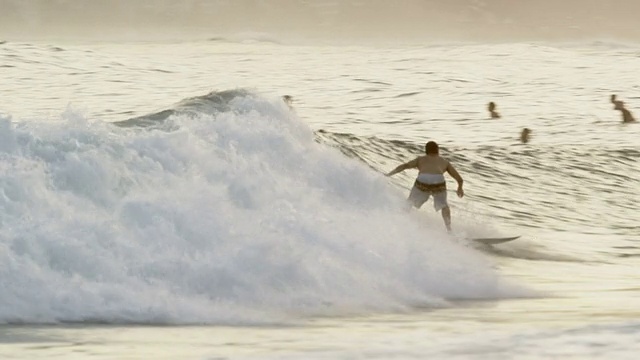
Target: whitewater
[[160, 200], [235, 212]]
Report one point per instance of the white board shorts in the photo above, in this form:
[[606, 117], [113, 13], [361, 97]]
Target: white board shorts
[[418, 197]]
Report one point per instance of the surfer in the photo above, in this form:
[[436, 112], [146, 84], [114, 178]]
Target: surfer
[[492, 110], [619, 105], [430, 181]]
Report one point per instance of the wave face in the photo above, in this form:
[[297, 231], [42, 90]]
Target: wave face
[[214, 103], [233, 214]]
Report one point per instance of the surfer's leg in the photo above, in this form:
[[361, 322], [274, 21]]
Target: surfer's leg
[[417, 197], [446, 216], [440, 204]]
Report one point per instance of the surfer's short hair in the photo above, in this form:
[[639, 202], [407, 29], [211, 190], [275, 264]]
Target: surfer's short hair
[[432, 148]]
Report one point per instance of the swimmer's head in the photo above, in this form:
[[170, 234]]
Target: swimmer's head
[[491, 106], [524, 135], [288, 99]]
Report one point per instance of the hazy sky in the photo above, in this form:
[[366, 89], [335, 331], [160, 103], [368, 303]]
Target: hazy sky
[[327, 19]]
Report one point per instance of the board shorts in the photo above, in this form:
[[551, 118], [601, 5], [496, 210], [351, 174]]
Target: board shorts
[[427, 185]]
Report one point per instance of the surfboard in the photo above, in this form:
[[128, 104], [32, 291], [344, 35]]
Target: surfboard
[[493, 241]]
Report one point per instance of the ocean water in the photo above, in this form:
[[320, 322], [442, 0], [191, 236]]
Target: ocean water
[[159, 200]]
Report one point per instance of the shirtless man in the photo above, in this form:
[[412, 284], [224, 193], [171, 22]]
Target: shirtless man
[[288, 99], [431, 168], [524, 135], [619, 105], [492, 110]]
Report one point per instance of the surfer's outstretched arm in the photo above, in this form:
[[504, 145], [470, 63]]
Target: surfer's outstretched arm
[[408, 165]]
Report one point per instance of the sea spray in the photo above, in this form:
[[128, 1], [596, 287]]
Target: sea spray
[[233, 214]]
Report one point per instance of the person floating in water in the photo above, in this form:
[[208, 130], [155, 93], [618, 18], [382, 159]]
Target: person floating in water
[[288, 99], [524, 135], [430, 181], [619, 105], [492, 110]]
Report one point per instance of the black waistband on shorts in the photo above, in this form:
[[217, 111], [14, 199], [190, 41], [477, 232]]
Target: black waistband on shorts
[[432, 188]]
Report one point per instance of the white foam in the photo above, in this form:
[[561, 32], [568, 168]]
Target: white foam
[[233, 218]]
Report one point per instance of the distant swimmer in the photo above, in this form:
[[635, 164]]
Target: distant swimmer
[[524, 135], [619, 105], [492, 110], [288, 99], [430, 181]]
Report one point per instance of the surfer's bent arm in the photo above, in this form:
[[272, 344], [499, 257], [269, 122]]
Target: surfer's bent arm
[[408, 165], [454, 174]]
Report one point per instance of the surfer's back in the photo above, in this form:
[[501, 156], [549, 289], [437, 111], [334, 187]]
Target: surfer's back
[[432, 164]]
